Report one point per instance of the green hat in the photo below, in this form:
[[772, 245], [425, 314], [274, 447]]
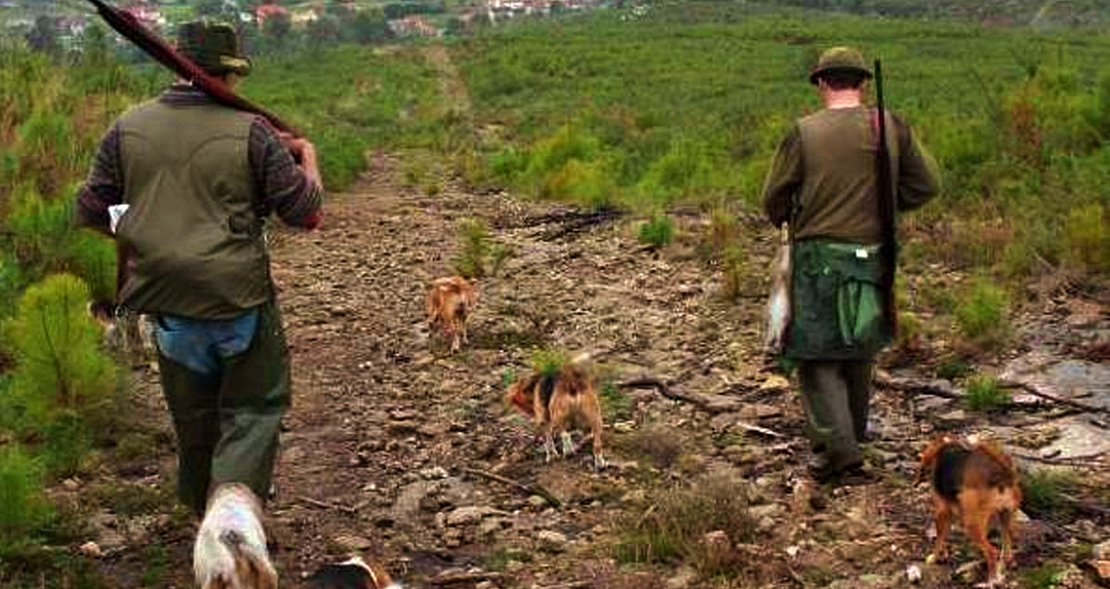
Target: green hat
[[213, 46], [840, 60]]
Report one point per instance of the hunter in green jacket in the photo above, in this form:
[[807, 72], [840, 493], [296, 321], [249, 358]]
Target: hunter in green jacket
[[197, 180], [823, 182]]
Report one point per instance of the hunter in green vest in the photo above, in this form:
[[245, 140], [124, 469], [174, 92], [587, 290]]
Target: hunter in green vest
[[184, 185], [823, 182]]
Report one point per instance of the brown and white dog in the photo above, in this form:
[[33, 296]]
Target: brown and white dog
[[449, 304], [556, 403], [974, 481], [230, 550], [353, 574]]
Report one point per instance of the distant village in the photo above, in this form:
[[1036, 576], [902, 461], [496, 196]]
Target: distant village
[[19, 17]]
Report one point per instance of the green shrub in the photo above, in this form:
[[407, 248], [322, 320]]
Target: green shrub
[[63, 385], [1088, 238], [675, 530], [474, 250], [984, 394], [549, 361], [984, 316], [734, 272], [1049, 492], [23, 509], [657, 232]]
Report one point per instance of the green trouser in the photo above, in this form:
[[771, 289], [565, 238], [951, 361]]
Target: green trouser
[[227, 424], [836, 396]]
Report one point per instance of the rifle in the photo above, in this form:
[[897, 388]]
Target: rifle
[[127, 25], [888, 252]]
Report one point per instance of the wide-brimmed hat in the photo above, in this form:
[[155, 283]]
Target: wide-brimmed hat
[[840, 60], [213, 46]]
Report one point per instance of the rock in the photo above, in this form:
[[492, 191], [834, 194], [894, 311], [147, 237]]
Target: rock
[[409, 499], [551, 541], [71, 484], [793, 551], [473, 514], [716, 539], [537, 502], [636, 497], [913, 574], [485, 585], [348, 544], [775, 382], [757, 411], [91, 550], [490, 526], [1101, 562], [434, 473], [682, 580], [954, 416]]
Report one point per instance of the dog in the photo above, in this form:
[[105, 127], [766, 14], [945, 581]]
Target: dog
[[555, 403], [972, 480], [124, 333], [353, 574], [449, 304], [230, 550]]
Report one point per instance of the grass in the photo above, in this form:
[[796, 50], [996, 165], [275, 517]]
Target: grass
[[983, 394], [614, 405], [549, 361], [648, 112], [659, 444], [983, 317], [1049, 493], [658, 231], [675, 530], [474, 249]]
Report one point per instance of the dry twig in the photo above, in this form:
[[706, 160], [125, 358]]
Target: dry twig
[[325, 505], [532, 489]]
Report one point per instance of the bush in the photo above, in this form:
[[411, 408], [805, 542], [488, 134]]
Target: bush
[[1088, 238], [734, 272], [23, 509], [984, 394], [983, 316], [549, 361], [63, 385], [675, 530], [471, 260], [657, 232]]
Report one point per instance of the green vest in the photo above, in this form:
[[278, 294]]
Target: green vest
[[197, 243]]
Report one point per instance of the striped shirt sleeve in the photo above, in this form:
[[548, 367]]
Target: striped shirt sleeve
[[283, 187], [104, 185]]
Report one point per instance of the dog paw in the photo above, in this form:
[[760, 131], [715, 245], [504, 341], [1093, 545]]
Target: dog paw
[[936, 558], [600, 462], [568, 444]]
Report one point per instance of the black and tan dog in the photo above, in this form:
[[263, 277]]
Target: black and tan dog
[[449, 304], [974, 481], [558, 402], [356, 573]]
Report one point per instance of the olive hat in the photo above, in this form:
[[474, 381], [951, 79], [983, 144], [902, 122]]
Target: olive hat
[[213, 46], [840, 60]]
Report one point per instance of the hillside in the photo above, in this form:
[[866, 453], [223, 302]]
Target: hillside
[[605, 170]]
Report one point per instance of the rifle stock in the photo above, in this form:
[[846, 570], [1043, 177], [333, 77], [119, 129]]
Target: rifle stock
[[887, 208]]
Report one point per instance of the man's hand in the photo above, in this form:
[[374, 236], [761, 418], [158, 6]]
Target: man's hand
[[305, 153]]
